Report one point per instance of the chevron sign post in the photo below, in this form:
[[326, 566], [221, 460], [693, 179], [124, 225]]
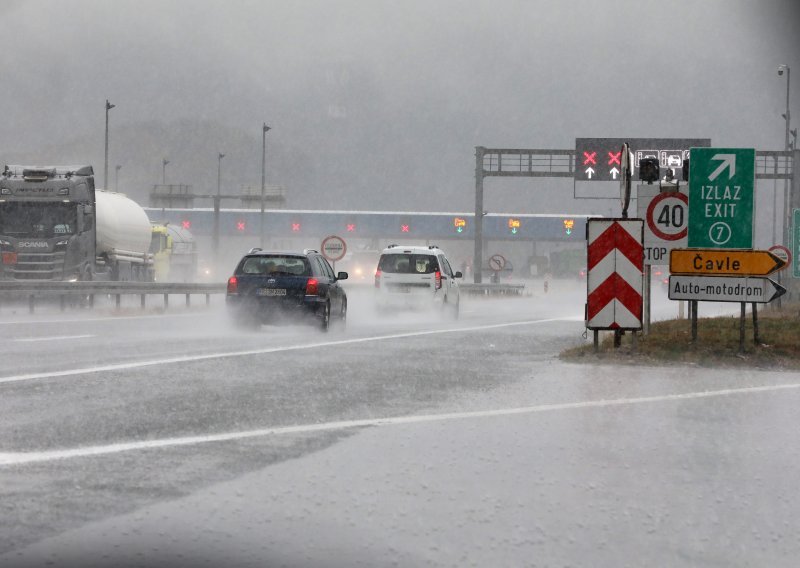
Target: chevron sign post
[[615, 254]]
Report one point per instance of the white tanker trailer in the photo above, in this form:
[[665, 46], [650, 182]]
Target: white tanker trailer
[[54, 225], [123, 237]]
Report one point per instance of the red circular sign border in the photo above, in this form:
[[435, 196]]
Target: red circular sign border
[[502, 264], [344, 248], [788, 254], [658, 198]]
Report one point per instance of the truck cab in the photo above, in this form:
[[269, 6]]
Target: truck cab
[[47, 223], [174, 253]]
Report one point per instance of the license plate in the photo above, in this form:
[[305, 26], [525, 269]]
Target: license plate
[[272, 292]]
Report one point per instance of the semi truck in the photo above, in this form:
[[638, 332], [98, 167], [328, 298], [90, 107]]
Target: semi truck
[[55, 225], [174, 253]]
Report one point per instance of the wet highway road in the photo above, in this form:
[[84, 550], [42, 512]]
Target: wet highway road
[[408, 440]]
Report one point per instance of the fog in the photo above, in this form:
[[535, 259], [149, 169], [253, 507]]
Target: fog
[[379, 105]]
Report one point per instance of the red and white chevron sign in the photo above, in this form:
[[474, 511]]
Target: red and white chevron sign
[[615, 255]]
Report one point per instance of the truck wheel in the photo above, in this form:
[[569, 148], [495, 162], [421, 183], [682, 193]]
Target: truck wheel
[[84, 300]]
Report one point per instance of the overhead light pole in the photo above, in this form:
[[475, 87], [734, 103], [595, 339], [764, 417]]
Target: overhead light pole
[[787, 117], [264, 130], [164, 163], [109, 106], [215, 236], [116, 177], [219, 170]]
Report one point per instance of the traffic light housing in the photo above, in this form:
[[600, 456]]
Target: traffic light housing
[[649, 170]]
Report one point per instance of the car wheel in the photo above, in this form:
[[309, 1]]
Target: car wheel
[[451, 308], [326, 317], [242, 317], [343, 314], [246, 323]]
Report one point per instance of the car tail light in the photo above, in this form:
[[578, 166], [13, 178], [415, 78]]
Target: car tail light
[[233, 285], [377, 278], [438, 278], [312, 287]]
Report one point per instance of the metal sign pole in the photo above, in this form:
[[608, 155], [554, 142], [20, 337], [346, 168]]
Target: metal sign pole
[[215, 229], [741, 329], [756, 339], [647, 294], [477, 258]]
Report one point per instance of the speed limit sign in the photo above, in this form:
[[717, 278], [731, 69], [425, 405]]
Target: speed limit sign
[[666, 221]]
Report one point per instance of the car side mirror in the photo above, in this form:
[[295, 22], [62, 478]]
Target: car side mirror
[[341, 276], [458, 275]]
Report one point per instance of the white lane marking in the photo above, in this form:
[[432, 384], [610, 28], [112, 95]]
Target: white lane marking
[[20, 458], [223, 355], [109, 318], [52, 338]]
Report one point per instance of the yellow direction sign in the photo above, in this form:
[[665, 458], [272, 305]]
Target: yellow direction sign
[[724, 262]]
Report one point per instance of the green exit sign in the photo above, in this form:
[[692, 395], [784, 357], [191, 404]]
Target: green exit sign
[[721, 184]]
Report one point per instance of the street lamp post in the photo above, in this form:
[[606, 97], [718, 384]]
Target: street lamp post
[[116, 177], [109, 106], [217, 200], [264, 130], [219, 170], [787, 118], [164, 163]]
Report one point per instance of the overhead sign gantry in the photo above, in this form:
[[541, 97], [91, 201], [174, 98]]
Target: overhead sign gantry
[[596, 159], [600, 159]]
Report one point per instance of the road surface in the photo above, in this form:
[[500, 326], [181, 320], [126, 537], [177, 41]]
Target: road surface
[[408, 440]]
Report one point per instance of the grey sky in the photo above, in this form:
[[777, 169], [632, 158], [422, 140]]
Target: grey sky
[[377, 104]]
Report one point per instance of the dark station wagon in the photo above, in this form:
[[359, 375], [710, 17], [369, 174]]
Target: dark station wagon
[[270, 287]]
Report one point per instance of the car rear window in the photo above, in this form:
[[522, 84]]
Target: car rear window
[[408, 264], [279, 265]]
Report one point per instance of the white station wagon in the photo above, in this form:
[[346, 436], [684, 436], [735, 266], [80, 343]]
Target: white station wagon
[[416, 277]]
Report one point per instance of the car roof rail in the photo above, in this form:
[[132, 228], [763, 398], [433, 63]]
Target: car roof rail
[[306, 251], [255, 249]]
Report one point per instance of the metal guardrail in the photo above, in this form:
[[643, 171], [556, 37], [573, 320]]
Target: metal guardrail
[[490, 289], [15, 290], [86, 291]]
